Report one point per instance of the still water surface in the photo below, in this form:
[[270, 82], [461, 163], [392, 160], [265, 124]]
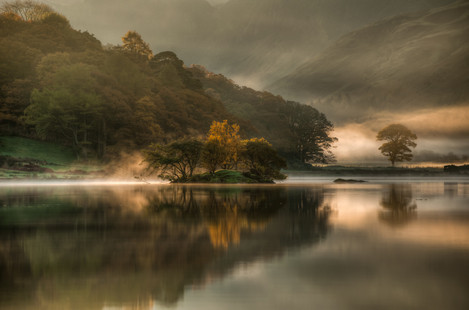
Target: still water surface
[[304, 246]]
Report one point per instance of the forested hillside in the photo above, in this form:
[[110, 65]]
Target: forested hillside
[[61, 85], [298, 131]]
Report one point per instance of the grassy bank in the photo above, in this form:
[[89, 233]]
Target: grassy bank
[[22, 158]]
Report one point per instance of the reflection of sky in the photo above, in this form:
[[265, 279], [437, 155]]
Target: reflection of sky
[[363, 264]]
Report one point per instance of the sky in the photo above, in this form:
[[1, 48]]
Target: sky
[[256, 43]]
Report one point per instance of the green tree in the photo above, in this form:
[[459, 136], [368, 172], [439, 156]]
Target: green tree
[[213, 156], [60, 114], [67, 108], [262, 159], [132, 42], [175, 161], [398, 140], [311, 133]]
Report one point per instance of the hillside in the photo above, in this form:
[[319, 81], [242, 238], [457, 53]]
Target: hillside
[[103, 103], [253, 42], [405, 63], [290, 126], [61, 85]]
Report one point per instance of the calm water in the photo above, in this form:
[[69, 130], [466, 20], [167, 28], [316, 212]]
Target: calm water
[[306, 246]]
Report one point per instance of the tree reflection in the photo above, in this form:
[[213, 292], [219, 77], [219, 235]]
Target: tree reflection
[[399, 208], [89, 247], [227, 212]]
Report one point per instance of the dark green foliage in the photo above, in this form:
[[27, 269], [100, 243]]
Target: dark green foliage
[[262, 160], [299, 132], [99, 101], [68, 109], [61, 85], [310, 130], [170, 71], [178, 160], [212, 156], [175, 161]]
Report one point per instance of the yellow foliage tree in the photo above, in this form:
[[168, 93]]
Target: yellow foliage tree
[[132, 41], [226, 139]]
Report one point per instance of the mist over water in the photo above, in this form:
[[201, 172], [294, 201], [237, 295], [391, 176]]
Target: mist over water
[[200, 246]]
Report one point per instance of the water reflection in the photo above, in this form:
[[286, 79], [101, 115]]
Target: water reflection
[[86, 248], [231, 247], [399, 207], [451, 189], [227, 212]]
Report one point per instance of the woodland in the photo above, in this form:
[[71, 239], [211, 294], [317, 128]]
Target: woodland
[[63, 86]]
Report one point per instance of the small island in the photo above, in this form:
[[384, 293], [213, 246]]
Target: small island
[[227, 177], [220, 158]]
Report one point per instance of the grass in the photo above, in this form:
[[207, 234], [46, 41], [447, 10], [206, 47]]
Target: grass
[[51, 153], [60, 159]]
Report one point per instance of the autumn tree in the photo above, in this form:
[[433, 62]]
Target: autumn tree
[[262, 159], [28, 10], [132, 42], [398, 139], [223, 145]]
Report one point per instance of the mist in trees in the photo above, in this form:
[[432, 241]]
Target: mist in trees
[[61, 85], [221, 149], [398, 139]]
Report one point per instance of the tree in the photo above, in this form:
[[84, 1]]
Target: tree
[[399, 138], [310, 130], [133, 43], [28, 10], [213, 156], [175, 161], [262, 159], [67, 108], [62, 115], [226, 138]]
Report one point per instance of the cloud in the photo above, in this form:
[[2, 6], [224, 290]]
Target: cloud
[[445, 122], [442, 136]]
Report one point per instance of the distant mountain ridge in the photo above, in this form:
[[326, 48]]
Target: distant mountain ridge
[[404, 63], [254, 42]]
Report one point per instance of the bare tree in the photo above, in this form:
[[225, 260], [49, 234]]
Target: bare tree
[[27, 10]]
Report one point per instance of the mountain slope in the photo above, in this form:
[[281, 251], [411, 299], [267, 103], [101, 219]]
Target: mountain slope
[[404, 63], [254, 42]]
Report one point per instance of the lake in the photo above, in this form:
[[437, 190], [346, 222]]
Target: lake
[[310, 245]]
